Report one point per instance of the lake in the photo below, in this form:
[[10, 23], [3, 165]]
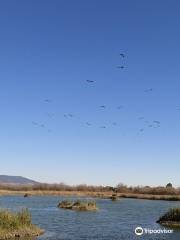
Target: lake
[[113, 221]]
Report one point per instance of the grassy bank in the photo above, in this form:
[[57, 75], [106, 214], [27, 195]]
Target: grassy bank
[[120, 188], [171, 218], [151, 197], [105, 195], [17, 225]]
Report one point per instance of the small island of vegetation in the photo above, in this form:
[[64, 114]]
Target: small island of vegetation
[[26, 195], [171, 218], [18, 224], [114, 197], [78, 205]]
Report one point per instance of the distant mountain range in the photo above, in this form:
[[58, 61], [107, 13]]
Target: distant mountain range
[[16, 180]]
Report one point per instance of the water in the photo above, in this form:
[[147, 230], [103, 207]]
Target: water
[[113, 221]]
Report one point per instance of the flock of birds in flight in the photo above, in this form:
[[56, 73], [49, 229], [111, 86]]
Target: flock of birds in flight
[[152, 124]]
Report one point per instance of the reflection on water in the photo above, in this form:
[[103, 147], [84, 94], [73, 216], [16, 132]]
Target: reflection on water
[[113, 221]]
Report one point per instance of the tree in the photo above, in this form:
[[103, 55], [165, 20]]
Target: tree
[[169, 185]]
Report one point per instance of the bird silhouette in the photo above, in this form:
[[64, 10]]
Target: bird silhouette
[[38, 124], [141, 118], [102, 106], [90, 81], [35, 123], [157, 122], [122, 55], [47, 100], [120, 66], [148, 90]]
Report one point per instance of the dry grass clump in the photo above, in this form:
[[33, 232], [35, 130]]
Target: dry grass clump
[[17, 225], [171, 218], [151, 196], [114, 197], [78, 205]]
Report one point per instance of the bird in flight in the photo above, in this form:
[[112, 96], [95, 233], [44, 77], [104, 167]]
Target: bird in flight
[[90, 81], [148, 90], [38, 124], [122, 55], [47, 100], [120, 66], [35, 123], [103, 106], [158, 122], [68, 115], [88, 124]]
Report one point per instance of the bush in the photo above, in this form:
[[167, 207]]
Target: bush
[[173, 215], [169, 185]]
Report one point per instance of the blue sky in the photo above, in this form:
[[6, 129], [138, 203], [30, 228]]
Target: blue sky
[[48, 51]]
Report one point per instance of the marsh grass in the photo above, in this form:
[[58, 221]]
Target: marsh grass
[[172, 215], [78, 205], [120, 188], [9, 220], [166, 193], [17, 224]]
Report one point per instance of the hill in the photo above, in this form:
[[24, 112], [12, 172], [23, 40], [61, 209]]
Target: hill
[[5, 179]]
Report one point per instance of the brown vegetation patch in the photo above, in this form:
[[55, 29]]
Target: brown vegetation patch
[[78, 205]]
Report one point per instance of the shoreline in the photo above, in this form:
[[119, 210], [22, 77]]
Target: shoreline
[[103, 195], [23, 232]]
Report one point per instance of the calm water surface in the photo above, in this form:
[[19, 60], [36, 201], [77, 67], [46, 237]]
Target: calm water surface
[[113, 221]]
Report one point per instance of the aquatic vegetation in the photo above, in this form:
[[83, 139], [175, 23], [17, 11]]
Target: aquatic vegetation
[[171, 218], [17, 225], [27, 195], [78, 205], [114, 197], [151, 197]]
